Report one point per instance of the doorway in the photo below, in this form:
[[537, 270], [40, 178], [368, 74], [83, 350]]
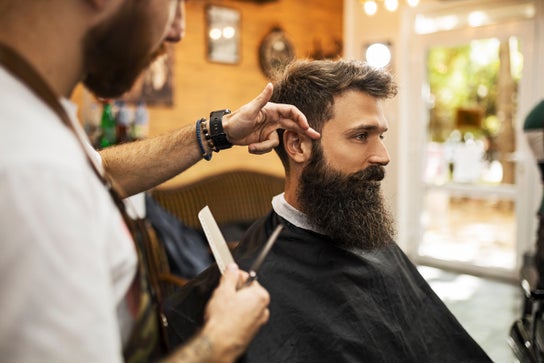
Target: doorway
[[465, 162]]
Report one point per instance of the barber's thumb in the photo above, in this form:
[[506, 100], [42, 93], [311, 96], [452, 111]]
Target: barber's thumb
[[230, 276], [262, 99]]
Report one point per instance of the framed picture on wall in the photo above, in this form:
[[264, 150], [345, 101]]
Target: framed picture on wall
[[223, 34], [155, 86]]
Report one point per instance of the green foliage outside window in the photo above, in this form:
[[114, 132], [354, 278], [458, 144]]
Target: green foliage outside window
[[466, 77]]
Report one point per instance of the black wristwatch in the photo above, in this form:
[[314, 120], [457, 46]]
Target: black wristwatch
[[217, 133]]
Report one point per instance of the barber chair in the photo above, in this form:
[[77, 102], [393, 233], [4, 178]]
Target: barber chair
[[527, 333]]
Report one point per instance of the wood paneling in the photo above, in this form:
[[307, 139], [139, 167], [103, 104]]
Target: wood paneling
[[201, 86]]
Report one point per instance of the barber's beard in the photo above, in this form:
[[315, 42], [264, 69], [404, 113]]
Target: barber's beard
[[118, 50], [348, 208]]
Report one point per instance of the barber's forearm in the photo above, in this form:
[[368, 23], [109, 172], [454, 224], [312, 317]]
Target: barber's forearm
[[141, 165], [200, 349], [197, 350]]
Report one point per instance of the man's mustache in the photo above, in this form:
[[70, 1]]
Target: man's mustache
[[370, 173]]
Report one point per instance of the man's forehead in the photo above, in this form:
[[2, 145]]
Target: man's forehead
[[358, 109]]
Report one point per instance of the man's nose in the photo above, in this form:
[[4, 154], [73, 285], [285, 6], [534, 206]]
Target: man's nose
[[380, 155]]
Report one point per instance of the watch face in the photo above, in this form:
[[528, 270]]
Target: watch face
[[276, 51]]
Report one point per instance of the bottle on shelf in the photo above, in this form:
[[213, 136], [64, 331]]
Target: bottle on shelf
[[122, 120], [92, 113], [141, 122], [107, 126]]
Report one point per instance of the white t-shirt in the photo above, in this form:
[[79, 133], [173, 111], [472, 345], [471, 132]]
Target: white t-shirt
[[66, 258]]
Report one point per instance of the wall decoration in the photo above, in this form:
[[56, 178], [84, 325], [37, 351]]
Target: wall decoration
[[155, 86], [333, 52], [223, 34], [275, 52]]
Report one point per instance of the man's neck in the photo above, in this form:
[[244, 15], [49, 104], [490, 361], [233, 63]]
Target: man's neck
[[291, 184], [292, 215]]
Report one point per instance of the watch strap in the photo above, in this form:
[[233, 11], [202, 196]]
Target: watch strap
[[217, 134]]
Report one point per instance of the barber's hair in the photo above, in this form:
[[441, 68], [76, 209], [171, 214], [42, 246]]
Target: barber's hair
[[312, 85]]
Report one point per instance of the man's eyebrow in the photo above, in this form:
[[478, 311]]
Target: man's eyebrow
[[368, 128]]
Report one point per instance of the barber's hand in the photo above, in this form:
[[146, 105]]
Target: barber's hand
[[233, 316], [255, 123]]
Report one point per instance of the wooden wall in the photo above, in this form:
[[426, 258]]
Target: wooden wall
[[201, 86]]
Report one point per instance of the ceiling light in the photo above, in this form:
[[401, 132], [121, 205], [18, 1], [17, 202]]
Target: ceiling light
[[370, 7]]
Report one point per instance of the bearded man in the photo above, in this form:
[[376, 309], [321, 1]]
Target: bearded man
[[341, 289]]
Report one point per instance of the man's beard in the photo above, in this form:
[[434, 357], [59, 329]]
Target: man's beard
[[118, 50], [348, 208]]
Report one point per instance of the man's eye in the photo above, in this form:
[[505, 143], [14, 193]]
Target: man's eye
[[362, 137], [382, 136]]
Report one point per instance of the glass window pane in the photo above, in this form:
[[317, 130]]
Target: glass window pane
[[469, 202]]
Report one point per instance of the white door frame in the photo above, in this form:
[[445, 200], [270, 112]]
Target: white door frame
[[414, 119]]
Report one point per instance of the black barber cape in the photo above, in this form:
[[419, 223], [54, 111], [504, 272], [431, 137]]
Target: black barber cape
[[330, 305]]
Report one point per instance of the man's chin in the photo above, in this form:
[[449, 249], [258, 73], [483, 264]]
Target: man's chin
[[101, 92], [161, 50], [373, 183], [110, 87]]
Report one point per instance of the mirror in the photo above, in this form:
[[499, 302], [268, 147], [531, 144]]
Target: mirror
[[223, 34]]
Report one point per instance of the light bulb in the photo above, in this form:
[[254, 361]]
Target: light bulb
[[229, 32], [215, 33], [370, 7], [391, 5], [412, 3], [378, 55]]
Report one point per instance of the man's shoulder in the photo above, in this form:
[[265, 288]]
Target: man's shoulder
[[259, 227]]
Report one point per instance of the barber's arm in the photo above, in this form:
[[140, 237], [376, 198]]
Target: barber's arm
[[144, 164], [232, 318]]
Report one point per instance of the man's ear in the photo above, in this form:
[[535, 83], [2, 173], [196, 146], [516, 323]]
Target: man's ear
[[297, 146]]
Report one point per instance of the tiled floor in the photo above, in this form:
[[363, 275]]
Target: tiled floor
[[486, 308]]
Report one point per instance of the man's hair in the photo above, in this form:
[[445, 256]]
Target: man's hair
[[312, 85]]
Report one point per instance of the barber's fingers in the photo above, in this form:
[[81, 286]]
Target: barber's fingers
[[289, 117], [264, 146], [264, 316], [231, 278], [262, 99], [257, 297]]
